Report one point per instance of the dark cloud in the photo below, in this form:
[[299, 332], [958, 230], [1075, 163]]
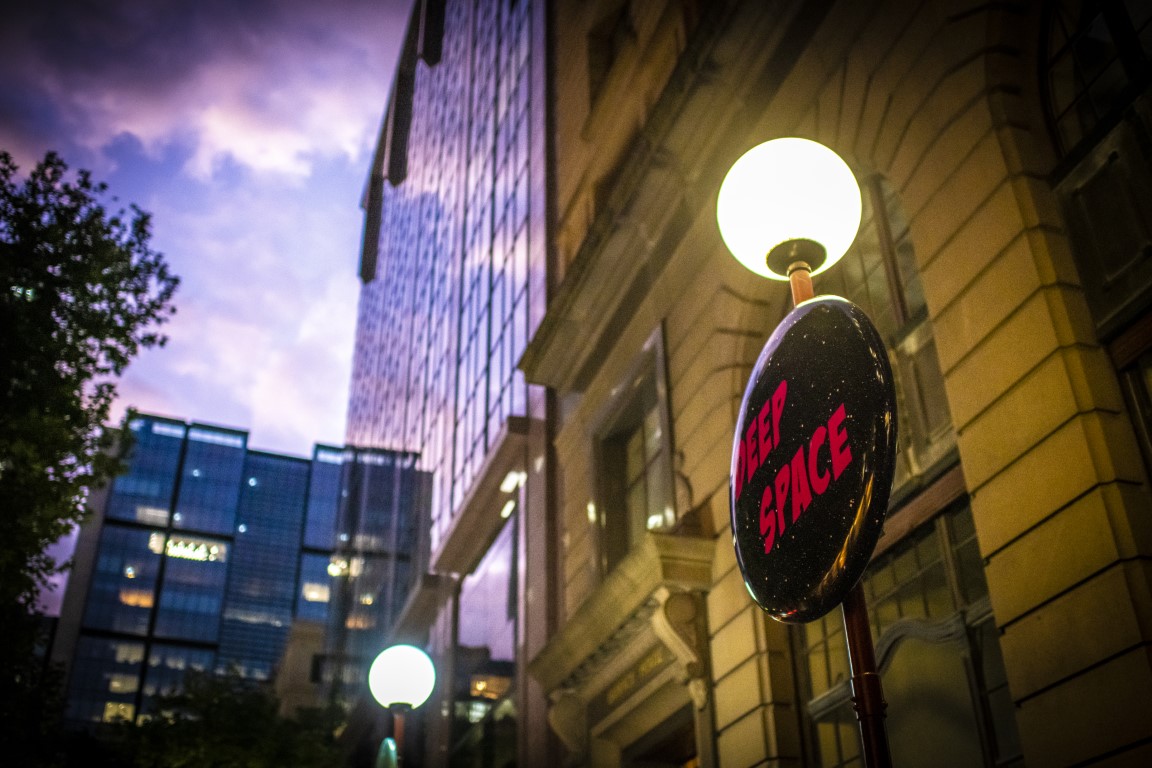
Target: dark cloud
[[86, 71], [149, 44]]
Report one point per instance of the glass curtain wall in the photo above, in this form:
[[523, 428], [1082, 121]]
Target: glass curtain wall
[[381, 498], [203, 561], [484, 711], [262, 588], [447, 315], [458, 281]]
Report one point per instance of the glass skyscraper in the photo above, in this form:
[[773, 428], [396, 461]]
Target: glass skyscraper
[[383, 498], [455, 280], [199, 557]]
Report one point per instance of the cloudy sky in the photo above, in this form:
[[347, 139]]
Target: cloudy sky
[[246, 128]]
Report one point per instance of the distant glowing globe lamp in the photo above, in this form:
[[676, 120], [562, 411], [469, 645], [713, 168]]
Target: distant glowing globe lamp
[[401, 679]]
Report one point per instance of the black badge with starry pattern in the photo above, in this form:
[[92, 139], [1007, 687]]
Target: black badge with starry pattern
[[813, 459]]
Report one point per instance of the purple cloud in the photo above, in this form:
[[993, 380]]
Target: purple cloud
[[246, 128]]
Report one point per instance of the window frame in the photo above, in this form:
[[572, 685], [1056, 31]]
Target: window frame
[[929, 489], [927, 445], [616, 534], [1135, 66], [965, 629]]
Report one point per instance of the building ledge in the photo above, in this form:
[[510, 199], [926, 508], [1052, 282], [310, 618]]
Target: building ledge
[[478, 520], [666, 183], [600, 624], [421, 608]]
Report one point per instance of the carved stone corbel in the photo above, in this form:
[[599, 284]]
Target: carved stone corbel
[[568, 717], [677, 621]]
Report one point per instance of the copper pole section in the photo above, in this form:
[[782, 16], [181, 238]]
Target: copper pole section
[[398, 711], [867, 694], [800, 278]]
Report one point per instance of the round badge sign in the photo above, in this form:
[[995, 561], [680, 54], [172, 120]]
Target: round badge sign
[[813, 459]]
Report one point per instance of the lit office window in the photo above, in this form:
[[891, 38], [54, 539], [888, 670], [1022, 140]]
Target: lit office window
[[104, 679], [124, 581], [315, 588], [165, 670], [144, 492]]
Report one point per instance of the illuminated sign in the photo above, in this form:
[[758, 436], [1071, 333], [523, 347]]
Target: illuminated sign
[[813, 459], [315, 593], [200, 550]]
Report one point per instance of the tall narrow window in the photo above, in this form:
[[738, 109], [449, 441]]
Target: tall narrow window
[[633, 450], [1096, 58], [879, 275], [937, 642], [605, 41], [484, 704], [939, 657]]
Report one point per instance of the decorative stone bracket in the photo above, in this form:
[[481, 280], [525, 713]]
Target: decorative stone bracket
[[568, 717], [656, 595], [678, 622]]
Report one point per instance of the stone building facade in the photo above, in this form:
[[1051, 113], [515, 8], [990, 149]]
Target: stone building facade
[[1004, 153]]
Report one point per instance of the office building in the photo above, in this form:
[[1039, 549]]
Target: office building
[[1003, 155], [200, 556], [383, 503], [454, 268]]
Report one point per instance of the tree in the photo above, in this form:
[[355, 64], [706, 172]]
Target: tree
[[227, 721], [81, 292]]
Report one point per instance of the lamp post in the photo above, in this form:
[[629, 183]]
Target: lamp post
[[401, 678], [789, 209]]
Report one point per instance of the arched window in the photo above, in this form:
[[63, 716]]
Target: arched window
[[927, 597], [879, 275], [938, 651]]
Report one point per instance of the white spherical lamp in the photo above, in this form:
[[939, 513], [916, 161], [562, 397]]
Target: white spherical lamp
[[402, 676], [793, 199]]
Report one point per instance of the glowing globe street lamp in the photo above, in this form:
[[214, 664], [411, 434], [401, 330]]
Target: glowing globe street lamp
[[401, 678], [814, 451], [786, 205]]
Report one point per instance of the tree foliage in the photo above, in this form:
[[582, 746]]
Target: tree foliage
[[81, 292], [226, 721]]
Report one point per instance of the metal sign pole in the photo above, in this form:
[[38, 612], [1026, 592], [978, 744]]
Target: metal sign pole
[[867, 693]]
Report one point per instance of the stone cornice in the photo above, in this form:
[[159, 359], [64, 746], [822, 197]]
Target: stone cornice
[[622, 606]]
